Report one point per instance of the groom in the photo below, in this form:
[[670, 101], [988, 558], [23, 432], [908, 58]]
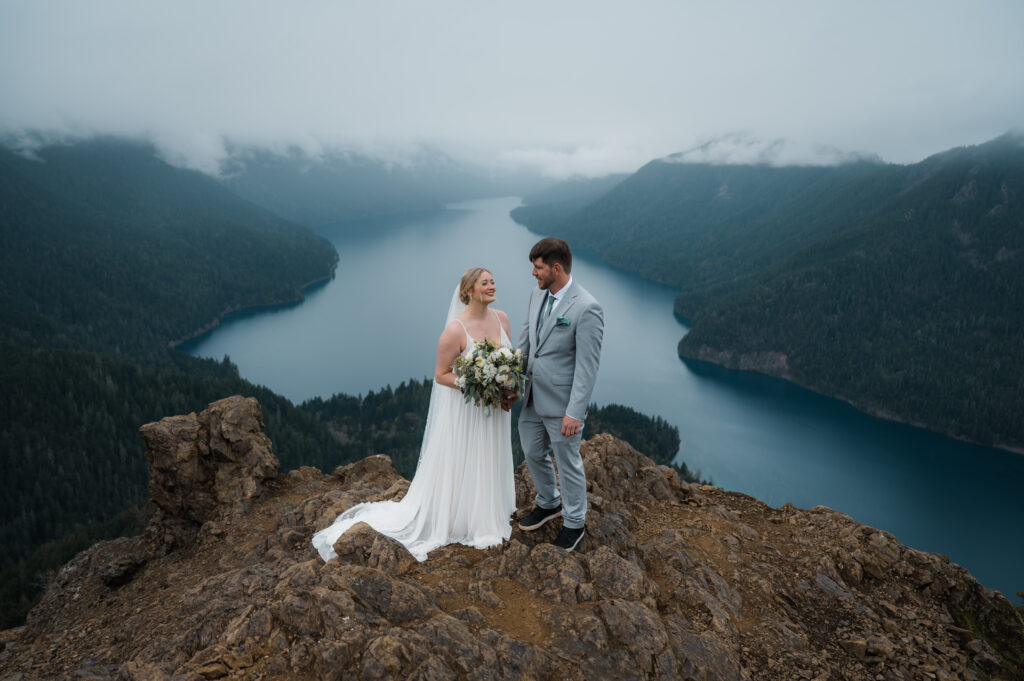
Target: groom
[[561, 341]]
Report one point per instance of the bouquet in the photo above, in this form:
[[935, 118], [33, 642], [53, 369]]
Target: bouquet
[[488, 372]]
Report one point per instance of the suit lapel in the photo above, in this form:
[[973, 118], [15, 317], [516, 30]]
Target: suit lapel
[[534, 311], [567, 302]]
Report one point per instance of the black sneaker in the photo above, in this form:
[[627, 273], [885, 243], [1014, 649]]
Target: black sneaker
[[568, 538], [538, 516]]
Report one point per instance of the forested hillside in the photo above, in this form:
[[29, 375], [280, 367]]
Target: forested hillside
[[698, 225], [110, 255], [917, 312], [108, 248], [899, 288], [559, 201]]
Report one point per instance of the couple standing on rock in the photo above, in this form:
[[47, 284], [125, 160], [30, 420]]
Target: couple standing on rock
[[463, 489]]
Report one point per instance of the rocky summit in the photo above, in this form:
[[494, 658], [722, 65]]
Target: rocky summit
[[672, 581]]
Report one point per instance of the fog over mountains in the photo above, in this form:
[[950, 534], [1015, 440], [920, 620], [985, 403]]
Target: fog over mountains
[[585, 88], [345, 185], [746, 149]]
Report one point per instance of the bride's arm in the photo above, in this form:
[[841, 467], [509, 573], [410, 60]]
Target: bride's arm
[[449, 346]]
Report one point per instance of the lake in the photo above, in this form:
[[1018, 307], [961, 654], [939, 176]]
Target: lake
[[376, 323]]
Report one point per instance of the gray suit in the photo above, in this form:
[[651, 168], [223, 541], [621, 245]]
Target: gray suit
[[561, 369]]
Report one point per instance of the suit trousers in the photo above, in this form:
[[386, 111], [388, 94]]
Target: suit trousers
[[541, 438]]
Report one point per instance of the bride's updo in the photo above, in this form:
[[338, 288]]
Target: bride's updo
[[467, 283]]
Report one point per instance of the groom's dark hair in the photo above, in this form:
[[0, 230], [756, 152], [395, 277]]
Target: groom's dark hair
[[552, 250]]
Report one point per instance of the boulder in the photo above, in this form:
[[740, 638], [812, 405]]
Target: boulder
[[202, 467]]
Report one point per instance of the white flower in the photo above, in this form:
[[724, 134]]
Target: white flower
[[460, 382]]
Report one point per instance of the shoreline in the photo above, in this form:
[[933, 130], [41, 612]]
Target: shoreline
[[236, 309], [874, 413]]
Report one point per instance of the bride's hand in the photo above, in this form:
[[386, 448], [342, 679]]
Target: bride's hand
[[508, 399]]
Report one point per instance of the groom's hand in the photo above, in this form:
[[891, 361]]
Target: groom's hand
[[570, 426]]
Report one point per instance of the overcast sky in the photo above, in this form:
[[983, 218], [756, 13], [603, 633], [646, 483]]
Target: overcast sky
[[572, 87]]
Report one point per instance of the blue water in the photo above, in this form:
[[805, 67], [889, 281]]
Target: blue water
[[377, 323]]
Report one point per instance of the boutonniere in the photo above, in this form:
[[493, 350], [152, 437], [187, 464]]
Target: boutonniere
[[562, 321]]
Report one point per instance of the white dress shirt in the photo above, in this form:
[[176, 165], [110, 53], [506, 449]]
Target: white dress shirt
[[558, 296]]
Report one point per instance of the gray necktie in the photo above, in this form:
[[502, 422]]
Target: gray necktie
[[545, 311]]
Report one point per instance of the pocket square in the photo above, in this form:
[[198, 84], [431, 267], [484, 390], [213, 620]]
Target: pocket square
[[562, 321]]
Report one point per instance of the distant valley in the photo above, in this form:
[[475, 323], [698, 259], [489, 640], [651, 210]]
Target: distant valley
[[347, 186]]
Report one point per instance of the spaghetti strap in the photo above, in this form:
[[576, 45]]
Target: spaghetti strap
[[469, 339]]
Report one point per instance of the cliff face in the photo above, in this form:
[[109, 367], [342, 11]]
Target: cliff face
[[673, 581]]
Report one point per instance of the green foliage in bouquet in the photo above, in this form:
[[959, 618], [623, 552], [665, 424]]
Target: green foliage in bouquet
[[488, 372]]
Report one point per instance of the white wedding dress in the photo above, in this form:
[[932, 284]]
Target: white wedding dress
[[463, 490]]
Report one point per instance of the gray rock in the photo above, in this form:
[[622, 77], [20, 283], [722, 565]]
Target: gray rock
[[830, 587], [204, 466], [616, 577], [702, 656], [637, 629]]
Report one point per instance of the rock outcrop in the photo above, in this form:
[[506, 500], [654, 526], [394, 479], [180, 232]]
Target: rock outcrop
[[201, 467], [673, 581]]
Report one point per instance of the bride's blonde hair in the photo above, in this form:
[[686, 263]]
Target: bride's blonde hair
[[467, 283]]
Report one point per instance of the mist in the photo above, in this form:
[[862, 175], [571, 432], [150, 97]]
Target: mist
[[568, 88]]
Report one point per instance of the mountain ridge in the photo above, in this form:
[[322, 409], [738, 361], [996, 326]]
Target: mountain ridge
[[925, 289]]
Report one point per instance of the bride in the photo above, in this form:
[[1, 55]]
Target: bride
[[463, 490]]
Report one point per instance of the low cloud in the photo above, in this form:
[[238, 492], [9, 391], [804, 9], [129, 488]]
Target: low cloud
[[578, 162], [744, 148], [575, 87]]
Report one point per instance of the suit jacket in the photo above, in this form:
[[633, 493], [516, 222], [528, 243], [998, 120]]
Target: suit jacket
[[562, 361]]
